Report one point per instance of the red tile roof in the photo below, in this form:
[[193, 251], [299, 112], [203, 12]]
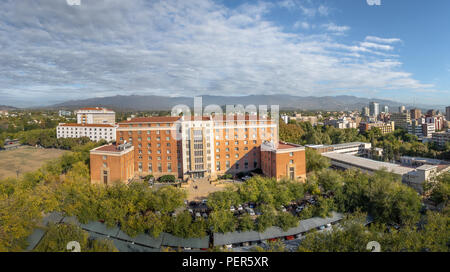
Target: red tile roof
[[154, 119], [84, 125], [108, 148], [283, 145]]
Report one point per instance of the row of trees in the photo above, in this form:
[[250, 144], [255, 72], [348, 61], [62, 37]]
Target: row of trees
[[432, 234]]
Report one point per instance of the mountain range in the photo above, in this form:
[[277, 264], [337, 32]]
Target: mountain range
[[286, 102]]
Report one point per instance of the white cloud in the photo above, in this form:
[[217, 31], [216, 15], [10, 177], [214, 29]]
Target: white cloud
[[382, 40], [303, 25], [377, 46], [335, 28], [53, 52]]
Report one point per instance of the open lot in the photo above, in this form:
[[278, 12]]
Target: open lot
[[25, 159]]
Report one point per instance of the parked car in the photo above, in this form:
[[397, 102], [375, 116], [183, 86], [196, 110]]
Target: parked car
[[205, 215], [191, 211], [232, 208], [290, 238], [186, 202], [197, 214], [299, 209], [187, 248], [282, 208], [240, 207], [298, 236], [229, 246], [204, 201], [328, 225], [245, 178], [322, 227]]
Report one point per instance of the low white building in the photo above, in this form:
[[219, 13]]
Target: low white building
[[95, 132]]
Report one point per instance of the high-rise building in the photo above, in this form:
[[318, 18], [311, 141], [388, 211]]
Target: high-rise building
[[386, 109], [401, 109], [374, 109], [447, 113], [198, 147], [365, 111], [402, 120], [415, 113]]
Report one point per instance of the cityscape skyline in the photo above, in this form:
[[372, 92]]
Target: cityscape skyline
[[53, 52]]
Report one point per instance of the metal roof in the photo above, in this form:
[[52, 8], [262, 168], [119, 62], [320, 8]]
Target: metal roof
[[368, 164], [34, 239], [101, 228], [143, 239], [237, 237], [174, 241]]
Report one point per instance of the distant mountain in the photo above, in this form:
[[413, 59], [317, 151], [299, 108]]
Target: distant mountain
[[153, 102], [7, 108]]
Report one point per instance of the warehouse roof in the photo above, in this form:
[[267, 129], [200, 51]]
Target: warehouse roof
[[367, 164]]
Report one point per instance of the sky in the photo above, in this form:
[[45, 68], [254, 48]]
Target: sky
[[57, 50]]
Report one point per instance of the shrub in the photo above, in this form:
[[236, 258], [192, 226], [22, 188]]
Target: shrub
[[167, 178]]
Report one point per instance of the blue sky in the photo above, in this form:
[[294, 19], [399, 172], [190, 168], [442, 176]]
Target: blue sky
[[52, 52]]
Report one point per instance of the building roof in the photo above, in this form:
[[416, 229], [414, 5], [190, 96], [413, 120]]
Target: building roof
[[84, 125], [114, 148], [152, 119], [368, 164], [238, 237], [101, 228], [284, 145], [174, 241], [142, 239]]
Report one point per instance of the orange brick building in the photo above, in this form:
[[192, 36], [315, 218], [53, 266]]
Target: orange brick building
[[202, 147], [283, 160], [111, 163]]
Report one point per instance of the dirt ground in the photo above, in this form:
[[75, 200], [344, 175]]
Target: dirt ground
[[25, 159], [204, 188]]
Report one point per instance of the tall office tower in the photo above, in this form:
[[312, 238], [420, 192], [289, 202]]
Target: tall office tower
[[374, 109], [365, 111], [401, 109], [386, 109], [447, 113], [415, 113]]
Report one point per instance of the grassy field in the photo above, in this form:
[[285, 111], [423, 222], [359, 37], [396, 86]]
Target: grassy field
[[25, 159]]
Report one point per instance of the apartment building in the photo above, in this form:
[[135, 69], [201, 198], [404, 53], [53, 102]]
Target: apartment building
[[95, 123], [384, 127], [96, 115], [95, 132], [441, 138], [401, 119], [199, 147]]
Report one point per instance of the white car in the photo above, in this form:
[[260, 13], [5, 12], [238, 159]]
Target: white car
[[282, 208], [322, 227], [197, 214], [232, 208], [191, 211], [228, 246], [204, 201], [240, 207], [328, 225]]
